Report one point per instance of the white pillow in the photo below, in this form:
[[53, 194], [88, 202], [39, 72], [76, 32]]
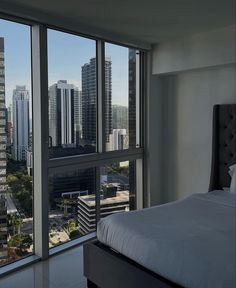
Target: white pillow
[[232, 173]]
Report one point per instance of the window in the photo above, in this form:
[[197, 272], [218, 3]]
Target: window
[[84, 160], [117, 188], [16, 189], [66, 189], [79, 197], [72, 94], [121, 82]]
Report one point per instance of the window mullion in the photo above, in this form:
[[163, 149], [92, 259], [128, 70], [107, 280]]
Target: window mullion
[[100, 97], [100, 117], [40, 139]]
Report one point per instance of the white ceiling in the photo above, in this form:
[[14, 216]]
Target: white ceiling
[[148, 21]]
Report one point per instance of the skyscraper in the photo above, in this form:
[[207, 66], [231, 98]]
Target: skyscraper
[[9, 125], [132, 122], [118, 140], [61, 114], [132, 97], [78, 115], [20, 105], [89, 101], [3, 141], [119, 117], [108, 98]]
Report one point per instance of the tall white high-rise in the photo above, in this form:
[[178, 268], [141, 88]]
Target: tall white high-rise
[[118, 140], [20, 105], [61, 114]]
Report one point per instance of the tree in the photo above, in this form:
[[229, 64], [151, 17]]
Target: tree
[[21, 241], [26, 181], [15, 221], [65, 203], [13, 182], [71, 226], [20, 185], [74, 234], [14, 166], [72, 229]]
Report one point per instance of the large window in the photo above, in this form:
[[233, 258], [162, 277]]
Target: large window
[[84, 159], [72, 94], [16, 189], [79, 197], [84, 121]]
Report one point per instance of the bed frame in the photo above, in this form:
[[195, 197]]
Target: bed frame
[[105, 268], [223, 145]]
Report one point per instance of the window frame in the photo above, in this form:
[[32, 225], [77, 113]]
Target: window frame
[[43, 165]]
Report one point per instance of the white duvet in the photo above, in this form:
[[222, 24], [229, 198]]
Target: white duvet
[[190, 242]]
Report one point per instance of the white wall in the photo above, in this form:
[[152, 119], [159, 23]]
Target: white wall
[[189, 125], [186, 99], [199, 51]]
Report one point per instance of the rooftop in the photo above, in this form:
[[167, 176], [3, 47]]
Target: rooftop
[[121, 196]]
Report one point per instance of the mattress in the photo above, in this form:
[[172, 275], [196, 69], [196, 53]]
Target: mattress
[[190, 241]]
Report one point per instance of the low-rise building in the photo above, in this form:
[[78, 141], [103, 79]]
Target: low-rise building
[[112, 201]]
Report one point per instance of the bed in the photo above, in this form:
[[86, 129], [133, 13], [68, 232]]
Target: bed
[[161, 246]]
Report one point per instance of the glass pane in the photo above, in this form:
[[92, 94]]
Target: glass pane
[[66, 205], [72, 94], [16, 190], [121, 97], [117, 188]]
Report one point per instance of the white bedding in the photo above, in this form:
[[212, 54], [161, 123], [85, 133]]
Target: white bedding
[[190, 242]]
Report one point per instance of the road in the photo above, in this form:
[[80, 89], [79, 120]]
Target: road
[[11, 207]]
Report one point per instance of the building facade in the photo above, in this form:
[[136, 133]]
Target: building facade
[[118, 140], [61, 114], [9, 127], [112, 201], [89, 101], [133, 84], [20, 107], [77, 116], [3, 142], [119, 117]]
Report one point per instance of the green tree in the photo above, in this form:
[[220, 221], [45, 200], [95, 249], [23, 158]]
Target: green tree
[[13, 182], [15, 221], [71, 225], [20, 185], [21, 241], [26, 181], [65, 203], [72, 228]]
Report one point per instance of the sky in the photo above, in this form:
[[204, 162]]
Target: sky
[[66, 54]]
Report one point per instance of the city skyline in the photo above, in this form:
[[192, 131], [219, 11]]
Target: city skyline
[[75, 133], [79, 50], [72, 130]]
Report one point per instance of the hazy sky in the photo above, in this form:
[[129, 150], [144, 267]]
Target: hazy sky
[[66, 54]]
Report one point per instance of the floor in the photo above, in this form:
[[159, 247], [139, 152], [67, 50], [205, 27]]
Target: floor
[[64, 270]]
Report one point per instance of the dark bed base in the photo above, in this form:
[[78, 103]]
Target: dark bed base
[[105, 268]]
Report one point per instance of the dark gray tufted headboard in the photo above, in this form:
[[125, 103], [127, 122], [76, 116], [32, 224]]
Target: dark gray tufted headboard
[[223, 145]]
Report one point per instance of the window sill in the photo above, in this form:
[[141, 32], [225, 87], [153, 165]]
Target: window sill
[[12, 267], [17, 265], [71, 244]]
